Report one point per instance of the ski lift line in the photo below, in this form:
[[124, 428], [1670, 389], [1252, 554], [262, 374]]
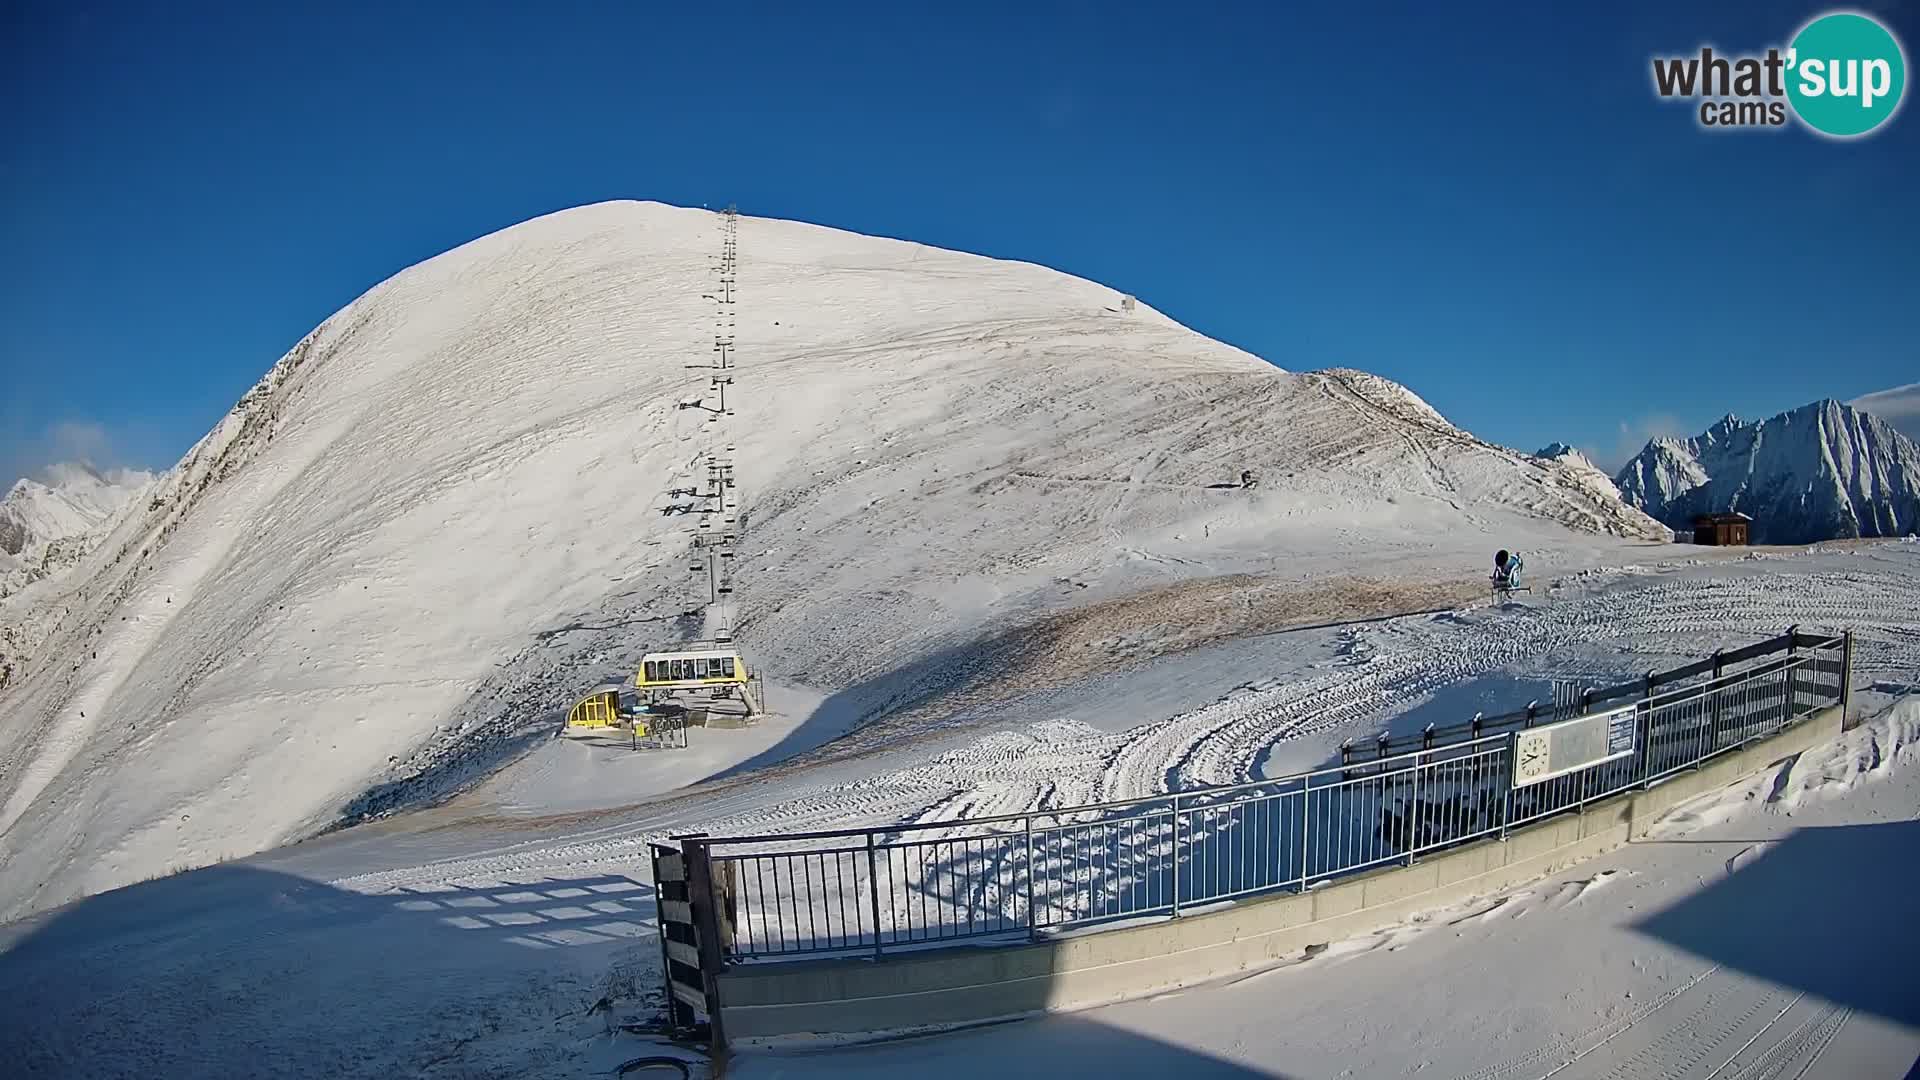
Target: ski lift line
[[719, 467]]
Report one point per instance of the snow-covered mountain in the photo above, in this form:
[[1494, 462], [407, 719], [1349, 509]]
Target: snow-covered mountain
[[450, 508], [1822, 471], [1560, 451], [1582, 468], [47, 528], [73, 500]]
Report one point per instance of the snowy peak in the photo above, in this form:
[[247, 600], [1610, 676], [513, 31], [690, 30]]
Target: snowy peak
[[73, 500], [1660, 474], [1567, 455], [1822, 471]]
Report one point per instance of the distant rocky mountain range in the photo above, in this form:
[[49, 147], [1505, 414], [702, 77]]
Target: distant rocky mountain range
[[1819, 472]]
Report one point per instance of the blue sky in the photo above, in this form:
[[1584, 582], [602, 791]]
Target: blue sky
[[1488, 204]]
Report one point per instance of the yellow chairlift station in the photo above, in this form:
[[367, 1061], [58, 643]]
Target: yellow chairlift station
[[691, 669]]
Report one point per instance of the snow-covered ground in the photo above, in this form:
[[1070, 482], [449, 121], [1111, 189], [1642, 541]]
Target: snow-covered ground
[[1256, 706], [1760, 932], [447, 511], [475, 939]]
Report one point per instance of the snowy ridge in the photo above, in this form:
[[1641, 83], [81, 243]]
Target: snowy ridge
[[1820, 472], [1393, 398], [446, 511], [1552, 488]]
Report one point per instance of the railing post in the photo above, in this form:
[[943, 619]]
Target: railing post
[[1646, 741], [873, 894], [1306, 837], [1793, 674], [1846, 677], [1031, 923], [1513, 756], [1714, 696], [1793, 635], [1413, 816], [1176, 856]]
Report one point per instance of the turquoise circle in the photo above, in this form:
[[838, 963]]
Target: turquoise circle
[[1848, 52]]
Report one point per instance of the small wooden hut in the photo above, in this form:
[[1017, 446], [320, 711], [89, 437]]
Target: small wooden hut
[[1723, 530]]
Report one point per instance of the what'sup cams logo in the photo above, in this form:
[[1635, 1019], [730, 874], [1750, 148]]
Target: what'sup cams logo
[[1843, 76]]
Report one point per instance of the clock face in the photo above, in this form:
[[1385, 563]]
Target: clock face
[[1531, 755]]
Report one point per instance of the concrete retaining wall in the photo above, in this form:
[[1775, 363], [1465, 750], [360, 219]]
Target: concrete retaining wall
[[967, 984]]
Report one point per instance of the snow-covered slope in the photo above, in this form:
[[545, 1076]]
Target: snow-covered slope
[[447, 510], [47, 528], [1820, 472]]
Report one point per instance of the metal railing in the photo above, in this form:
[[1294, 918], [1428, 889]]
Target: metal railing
[[1577, 699], [909, 886]]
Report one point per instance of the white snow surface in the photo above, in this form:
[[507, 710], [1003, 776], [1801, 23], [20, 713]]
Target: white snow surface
[[445, 512], [1269, 706], [1751, 935], [1820, 472], [73, 499], [48, 527], [1709, 950]]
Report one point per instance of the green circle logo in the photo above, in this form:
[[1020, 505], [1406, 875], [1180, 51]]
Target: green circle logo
[[1845, 74]]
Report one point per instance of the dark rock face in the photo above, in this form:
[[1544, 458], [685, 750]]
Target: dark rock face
[[13, 535]]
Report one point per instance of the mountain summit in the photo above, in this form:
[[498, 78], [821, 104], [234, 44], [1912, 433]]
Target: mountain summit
[[468, 496], [1820, 472]]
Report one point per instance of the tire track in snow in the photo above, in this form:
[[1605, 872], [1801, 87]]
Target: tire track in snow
[[1802, 1046], [1605, 1032]]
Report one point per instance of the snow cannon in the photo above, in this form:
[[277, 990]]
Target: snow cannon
[[1506, 575]]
